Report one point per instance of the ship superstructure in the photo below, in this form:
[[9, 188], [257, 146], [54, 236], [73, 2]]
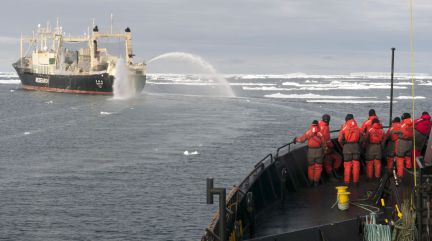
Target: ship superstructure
[[49, 64]]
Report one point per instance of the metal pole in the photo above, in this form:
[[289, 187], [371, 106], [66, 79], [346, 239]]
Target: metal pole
[[391, 87], [21, 50], [222, 205]]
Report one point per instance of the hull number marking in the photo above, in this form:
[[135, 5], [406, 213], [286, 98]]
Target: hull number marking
[[41, 80]]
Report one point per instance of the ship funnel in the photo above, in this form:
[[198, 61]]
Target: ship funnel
[[127, 30], [96, 29]]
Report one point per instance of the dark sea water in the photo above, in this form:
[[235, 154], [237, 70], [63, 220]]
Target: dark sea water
[[79, 167]]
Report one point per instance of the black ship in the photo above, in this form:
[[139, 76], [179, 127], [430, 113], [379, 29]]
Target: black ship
[[52, 66]]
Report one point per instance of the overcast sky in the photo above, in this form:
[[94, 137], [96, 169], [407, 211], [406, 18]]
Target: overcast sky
[[245, 36]]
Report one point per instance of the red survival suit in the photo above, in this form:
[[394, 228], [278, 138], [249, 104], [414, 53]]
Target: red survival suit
[[368, 123], [349, 138], [374, 137], [332, 160], [392, 138], [316, 145], [404, 146], [422, 129]]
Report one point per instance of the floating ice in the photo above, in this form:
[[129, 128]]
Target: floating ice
[[348, 101], [182, 83], [187, 153], [106, 113], [10, 81], [252, 84], [12, 91], [407, 97], [265, 88], [49, 102], [342, 85], [365, 75], [27, 133], [314, 96]]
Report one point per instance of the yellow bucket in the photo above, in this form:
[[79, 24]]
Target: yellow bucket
[[343, 197]]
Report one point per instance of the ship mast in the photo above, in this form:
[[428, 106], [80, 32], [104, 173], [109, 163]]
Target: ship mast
[[21, 50]]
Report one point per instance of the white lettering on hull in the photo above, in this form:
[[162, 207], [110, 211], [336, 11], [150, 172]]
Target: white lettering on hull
[[41, 80]]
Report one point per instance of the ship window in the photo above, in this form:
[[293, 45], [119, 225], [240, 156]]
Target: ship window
[[52, 61]]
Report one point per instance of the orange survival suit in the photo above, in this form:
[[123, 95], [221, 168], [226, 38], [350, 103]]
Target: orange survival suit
[[374, 138], [404, 144], [332, 160], [316, 145], [350, 138], [391, 137]]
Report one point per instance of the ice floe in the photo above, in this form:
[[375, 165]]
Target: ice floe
[[407, 97], [274, 88], [187, 153], [106, 113], [314, 96], [9, 81], [348, 101]]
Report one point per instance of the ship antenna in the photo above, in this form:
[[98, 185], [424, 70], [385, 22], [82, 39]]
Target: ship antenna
[[93, 19]]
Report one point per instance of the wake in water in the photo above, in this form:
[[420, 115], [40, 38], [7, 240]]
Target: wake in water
[[227, 91]]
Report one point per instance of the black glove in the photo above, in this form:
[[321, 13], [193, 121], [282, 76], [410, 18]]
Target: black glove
[[294, 140]]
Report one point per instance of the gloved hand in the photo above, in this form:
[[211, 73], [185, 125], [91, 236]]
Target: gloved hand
[[294, 140]]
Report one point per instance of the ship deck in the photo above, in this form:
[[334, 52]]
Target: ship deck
[[310, 207]]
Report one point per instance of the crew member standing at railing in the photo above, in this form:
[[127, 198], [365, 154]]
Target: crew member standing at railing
[[350, 138], [404, 144], [367, 124], [332, 160], [316, 146], [422, 128], [374, 139], [391, 139]]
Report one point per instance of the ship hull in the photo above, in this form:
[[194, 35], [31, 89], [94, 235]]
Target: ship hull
[[79, 84]]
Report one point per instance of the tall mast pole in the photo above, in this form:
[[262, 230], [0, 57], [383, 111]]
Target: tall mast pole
[[21, 50], [391, 87]]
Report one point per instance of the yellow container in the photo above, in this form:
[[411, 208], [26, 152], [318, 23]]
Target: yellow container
[[342, 197], [341, 189]]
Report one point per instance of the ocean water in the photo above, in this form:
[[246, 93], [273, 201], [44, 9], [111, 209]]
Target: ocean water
[[80, 167]]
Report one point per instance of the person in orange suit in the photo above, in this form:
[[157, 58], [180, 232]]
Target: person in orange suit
[[391, 139], [332, 160], [367, 124], [422, 127], [316, 145], [404, 144], [350, 138], [374, 139]]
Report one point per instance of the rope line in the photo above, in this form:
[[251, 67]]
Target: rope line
[[412, 88]]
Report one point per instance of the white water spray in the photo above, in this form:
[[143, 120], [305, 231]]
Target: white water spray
[[124, 86], [202, 63]]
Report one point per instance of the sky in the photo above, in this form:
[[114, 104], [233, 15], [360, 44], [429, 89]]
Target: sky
[[244, 36]]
